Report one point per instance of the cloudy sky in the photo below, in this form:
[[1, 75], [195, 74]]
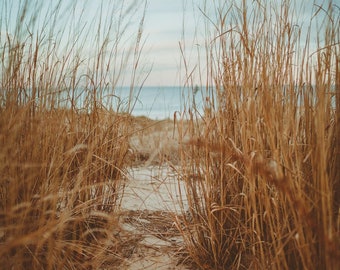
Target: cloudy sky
[[172, 22], [162, 32], [168, 25]]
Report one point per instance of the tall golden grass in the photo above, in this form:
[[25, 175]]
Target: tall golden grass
[[62, 152], [262, 169]]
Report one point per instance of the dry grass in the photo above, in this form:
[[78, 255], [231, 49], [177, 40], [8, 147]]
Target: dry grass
[[154, 142], [262, 167], [62, 153], [58, 190]]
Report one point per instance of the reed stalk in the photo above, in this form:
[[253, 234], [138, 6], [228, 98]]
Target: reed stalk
[[262, 166], [62, 149]]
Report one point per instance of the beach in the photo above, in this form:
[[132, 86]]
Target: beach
[[153, 196]]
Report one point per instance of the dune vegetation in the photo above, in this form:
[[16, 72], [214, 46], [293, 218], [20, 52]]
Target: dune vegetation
[[262, 168], [62, 151]]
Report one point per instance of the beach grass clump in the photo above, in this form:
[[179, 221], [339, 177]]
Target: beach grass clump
[[62, 149], [262, 166], [59, 189]]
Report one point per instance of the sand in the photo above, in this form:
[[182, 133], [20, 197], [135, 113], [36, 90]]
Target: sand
[[153, 188], [152, 198]]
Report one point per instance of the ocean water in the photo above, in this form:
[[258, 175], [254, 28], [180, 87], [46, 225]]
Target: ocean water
[[154, 102], [159, 102]]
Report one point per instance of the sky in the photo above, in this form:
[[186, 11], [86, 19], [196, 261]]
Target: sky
[[168, 25], [163, 31]]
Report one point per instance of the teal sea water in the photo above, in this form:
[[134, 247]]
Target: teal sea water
[[159, 102]]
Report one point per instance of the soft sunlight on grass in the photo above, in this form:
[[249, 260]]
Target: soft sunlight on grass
[[62, 153], [262, 166]]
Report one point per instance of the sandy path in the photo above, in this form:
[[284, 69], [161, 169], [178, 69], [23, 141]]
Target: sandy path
[[153, 188], [152, 197], [150, 202]]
